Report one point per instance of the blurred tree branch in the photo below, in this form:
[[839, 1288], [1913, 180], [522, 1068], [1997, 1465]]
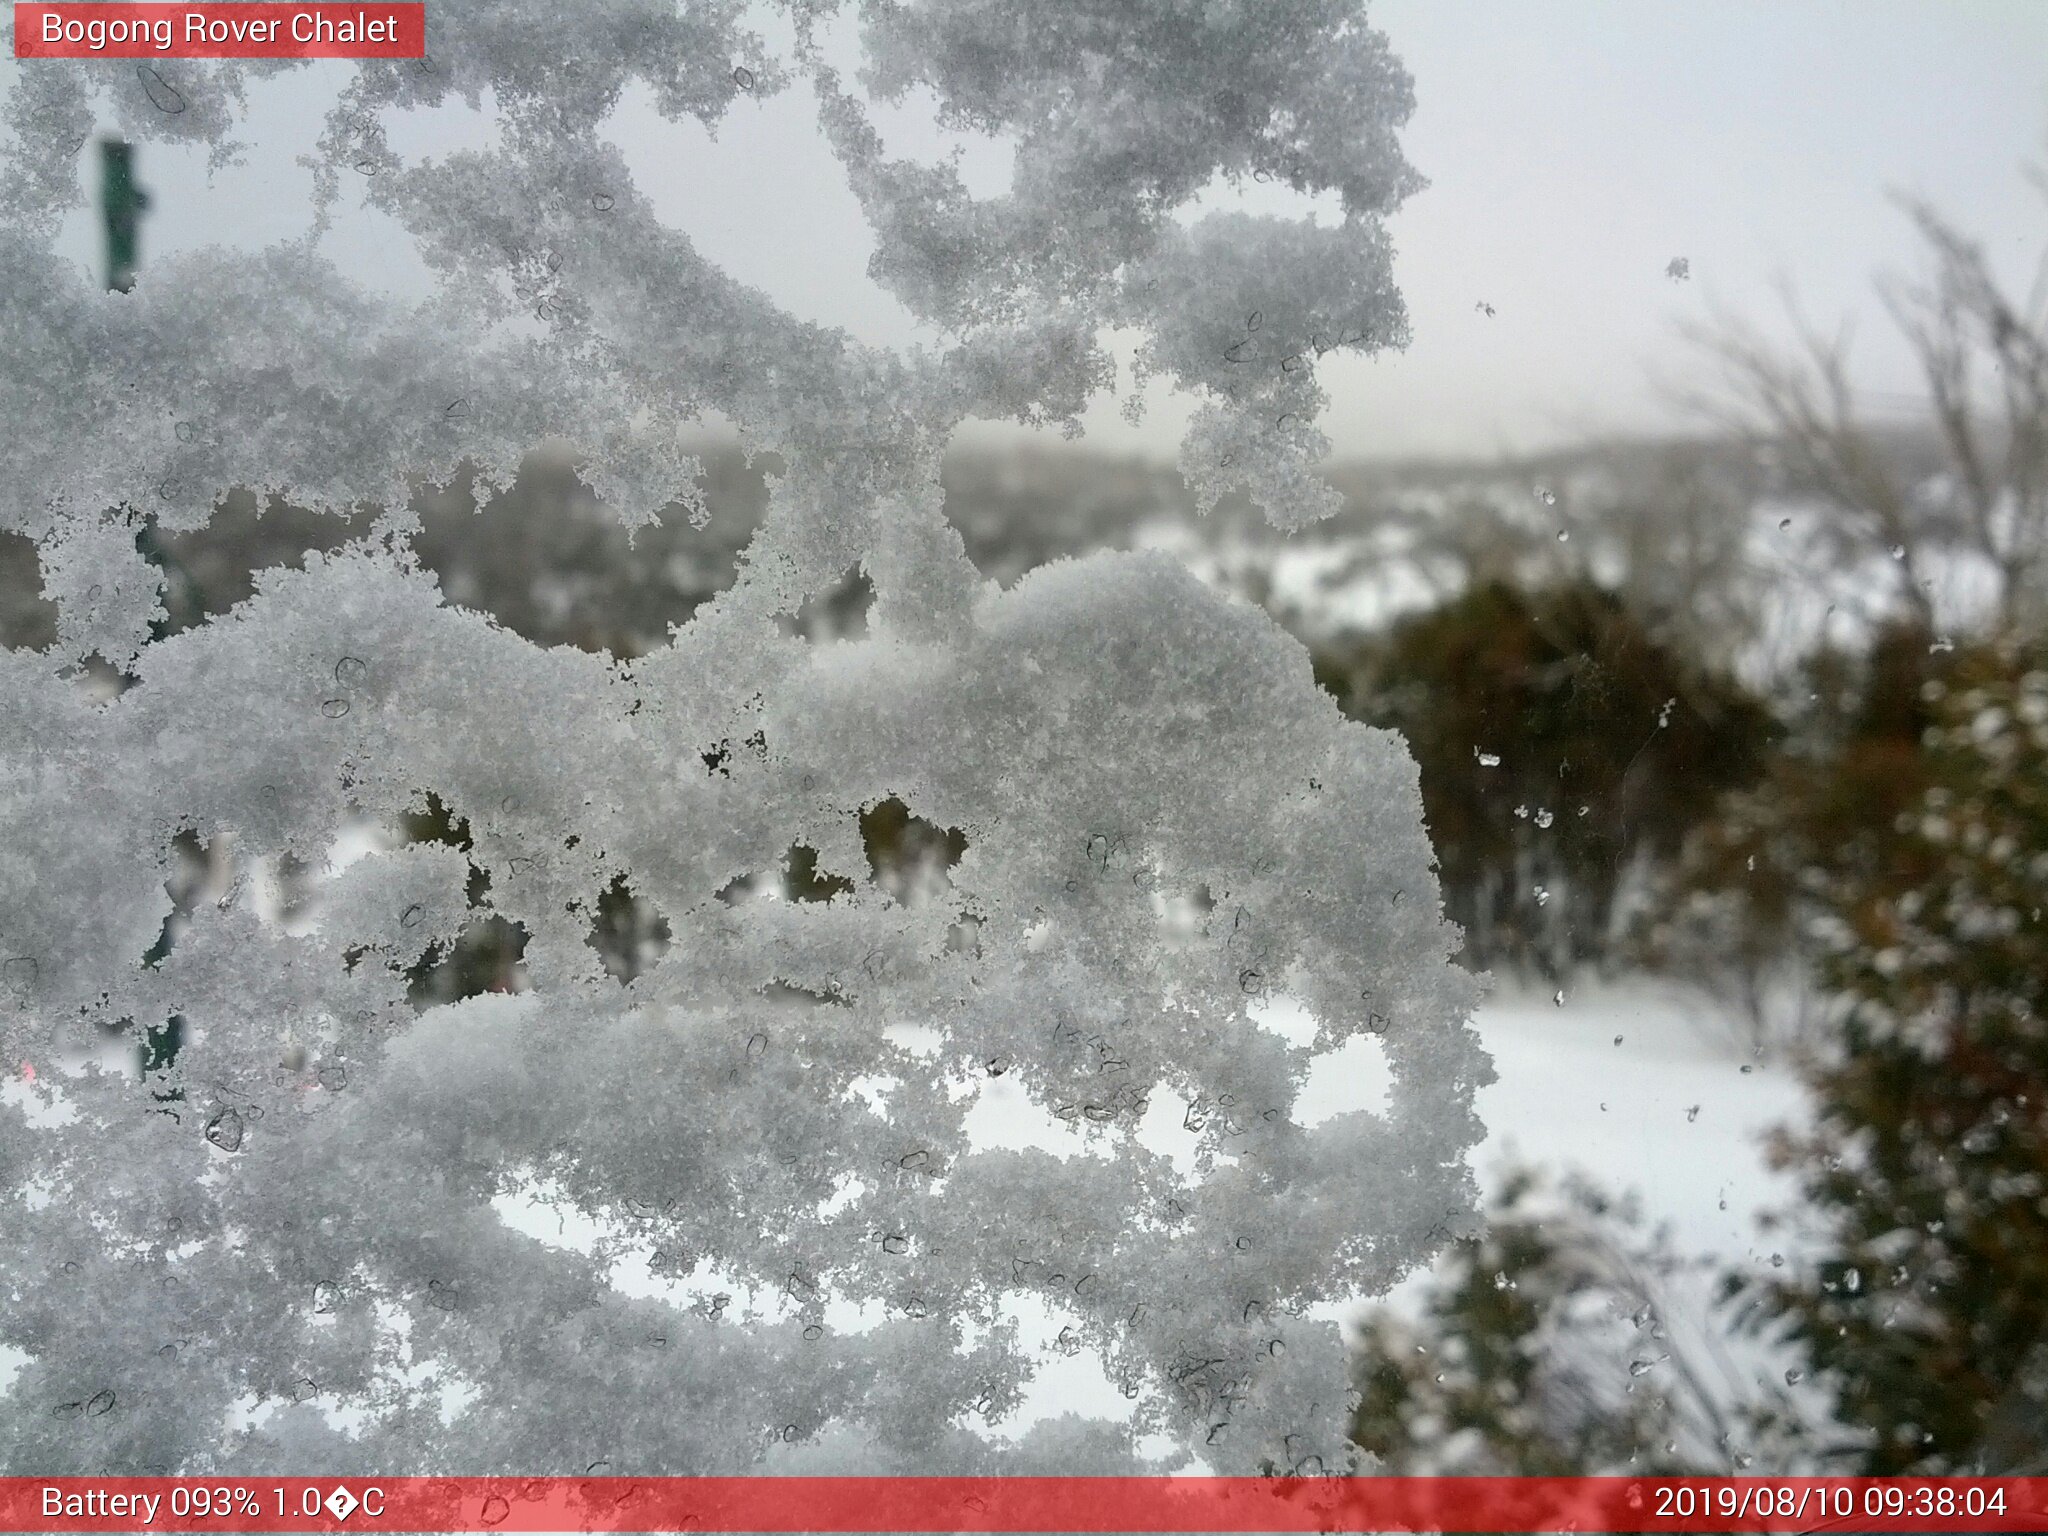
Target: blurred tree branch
[[1984, 491]]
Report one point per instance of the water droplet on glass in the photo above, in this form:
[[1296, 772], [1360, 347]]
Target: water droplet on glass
[[325, 1295], [1544, 819], [350, 671], [603, 202], [412, 916], [334, 709], [1777, 1261], [224, 1130], [1692, 1114], [1486, 759], [164, 96], [1564, 535], [1557, 998], [895, 1242], [100, 1404], [1644, 1367], [333, 1077], [1617, 1039], [67, 1410], [1898, 551], [496, 1510], [1784, 525], [743, 77], [1794, 1376]]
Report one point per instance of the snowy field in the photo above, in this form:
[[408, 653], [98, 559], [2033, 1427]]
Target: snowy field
[[1646, 1087]]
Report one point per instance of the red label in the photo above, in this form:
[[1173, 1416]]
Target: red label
[[211, 30], [703, 1505]]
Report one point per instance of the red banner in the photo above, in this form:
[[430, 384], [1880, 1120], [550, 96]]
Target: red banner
[[211, 30], [1148, 1504]]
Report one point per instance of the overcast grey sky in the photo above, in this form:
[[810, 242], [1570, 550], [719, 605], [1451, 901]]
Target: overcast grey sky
[[1574, 147]]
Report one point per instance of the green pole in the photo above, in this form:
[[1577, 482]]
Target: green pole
[[122, 204]]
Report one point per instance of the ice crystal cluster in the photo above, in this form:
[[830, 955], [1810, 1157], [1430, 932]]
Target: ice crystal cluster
[[298, 1246]]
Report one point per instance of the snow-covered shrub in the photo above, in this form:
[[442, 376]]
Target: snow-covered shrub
[[791, 1248], [1925, 1167], [1567, 1339]]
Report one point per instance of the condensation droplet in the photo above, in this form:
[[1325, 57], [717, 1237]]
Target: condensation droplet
[[224, 1130], [603, 202], [350, 671], [743, 77], [334, 709]]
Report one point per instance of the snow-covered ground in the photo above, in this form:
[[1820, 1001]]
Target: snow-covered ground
[[1642, 1085]]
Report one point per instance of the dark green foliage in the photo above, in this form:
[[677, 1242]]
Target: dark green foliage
[[1927, 1164], [1610, 749], [1906, 836]]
